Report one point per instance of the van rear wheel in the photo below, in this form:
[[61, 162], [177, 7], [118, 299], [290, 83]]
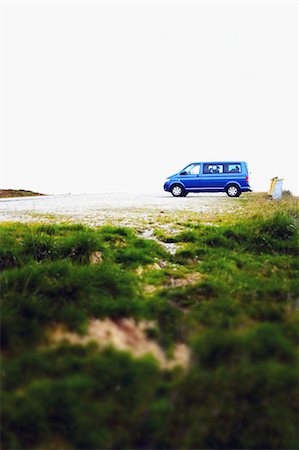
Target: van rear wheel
[[233, 190], [177, 191]]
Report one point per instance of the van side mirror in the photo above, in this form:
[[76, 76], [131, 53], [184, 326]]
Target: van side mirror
[[183, 173]]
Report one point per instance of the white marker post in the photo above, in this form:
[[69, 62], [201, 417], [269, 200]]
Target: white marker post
[[275, 190]]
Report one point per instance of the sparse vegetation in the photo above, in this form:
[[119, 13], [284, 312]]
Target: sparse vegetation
[[230, 293], [6, 193]]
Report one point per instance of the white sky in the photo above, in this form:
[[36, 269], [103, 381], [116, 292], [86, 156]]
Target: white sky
[[116, 96]]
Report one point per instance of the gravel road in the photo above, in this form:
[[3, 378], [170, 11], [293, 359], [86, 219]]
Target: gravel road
[[124, 209]]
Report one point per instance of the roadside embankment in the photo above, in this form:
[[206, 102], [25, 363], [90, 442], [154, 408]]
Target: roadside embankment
[[175, 331]]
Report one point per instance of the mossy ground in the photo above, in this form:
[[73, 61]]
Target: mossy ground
[[230, 293]]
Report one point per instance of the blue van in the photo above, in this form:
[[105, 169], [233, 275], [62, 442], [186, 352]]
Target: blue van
[[221, 176]]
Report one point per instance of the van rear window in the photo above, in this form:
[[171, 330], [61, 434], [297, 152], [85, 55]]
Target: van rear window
[[232, 168]]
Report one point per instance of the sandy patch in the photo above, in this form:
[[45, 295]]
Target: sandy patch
[[96, 258], [126, 335]]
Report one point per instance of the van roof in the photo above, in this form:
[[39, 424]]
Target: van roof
[[235, 161]]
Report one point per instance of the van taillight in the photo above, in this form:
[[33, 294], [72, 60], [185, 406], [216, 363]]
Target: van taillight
[[247, 179]]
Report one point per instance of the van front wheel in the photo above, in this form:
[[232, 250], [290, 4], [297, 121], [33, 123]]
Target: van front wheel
[[177, 191], [233, 190]]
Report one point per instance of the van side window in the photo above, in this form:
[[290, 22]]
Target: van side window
[[212, 168]]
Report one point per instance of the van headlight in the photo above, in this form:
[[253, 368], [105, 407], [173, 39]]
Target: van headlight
[[167, 180]]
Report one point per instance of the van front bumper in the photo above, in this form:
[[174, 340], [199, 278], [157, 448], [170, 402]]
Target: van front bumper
[[167, 186]]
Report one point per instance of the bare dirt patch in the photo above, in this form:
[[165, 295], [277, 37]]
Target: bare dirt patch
[[96, 258], [125, 335], [174, 282]]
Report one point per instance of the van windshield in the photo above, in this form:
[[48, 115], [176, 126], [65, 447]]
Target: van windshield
[[192, 169]]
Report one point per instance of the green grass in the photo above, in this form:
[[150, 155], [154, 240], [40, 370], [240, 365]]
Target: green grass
[[47, 277], [239, 317], [73, 395]]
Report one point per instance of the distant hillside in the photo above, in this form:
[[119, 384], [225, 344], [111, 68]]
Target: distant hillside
[[17, 193]]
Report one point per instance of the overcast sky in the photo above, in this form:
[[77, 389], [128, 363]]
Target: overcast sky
[[116, 96]]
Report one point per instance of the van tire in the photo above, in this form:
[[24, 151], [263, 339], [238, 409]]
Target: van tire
[[233, 190], [177, 190]]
